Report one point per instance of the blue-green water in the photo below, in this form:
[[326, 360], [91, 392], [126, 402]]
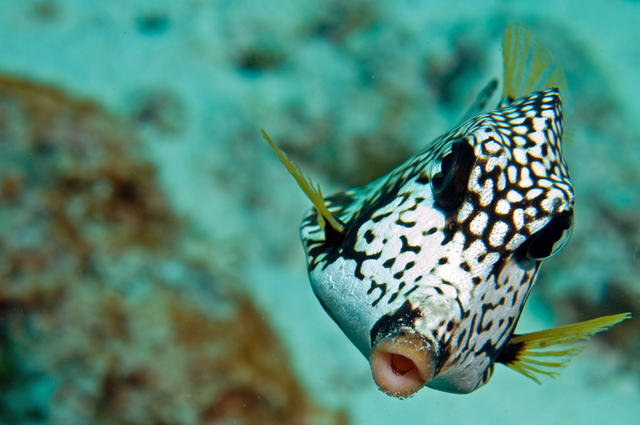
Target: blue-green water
[[150, 266]]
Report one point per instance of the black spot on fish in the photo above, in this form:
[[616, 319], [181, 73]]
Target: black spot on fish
[[406, 294], [369, 236], [379, 217], [461, 337], [406, 247], [423, 179], [375, 285], [489, 350], [487, 373], [443, 356], [407, 224], [528, 122], [464, 313], [514, 299], [403, 316], [431, 231], [544, 148], [465, 349], [395, 294]]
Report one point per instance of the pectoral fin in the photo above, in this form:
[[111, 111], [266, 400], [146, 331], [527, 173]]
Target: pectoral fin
[[530, 355]]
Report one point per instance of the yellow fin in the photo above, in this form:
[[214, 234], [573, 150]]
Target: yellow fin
[[313, 191], [528, 353], [528, 65]]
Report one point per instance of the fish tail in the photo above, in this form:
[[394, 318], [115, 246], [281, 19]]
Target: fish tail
[[528, 65], [312, 190], [528, 354]]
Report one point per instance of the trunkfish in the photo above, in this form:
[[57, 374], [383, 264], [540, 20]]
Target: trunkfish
[[427, 269]]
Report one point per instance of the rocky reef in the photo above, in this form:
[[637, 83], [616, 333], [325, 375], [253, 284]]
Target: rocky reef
[[108, 312]]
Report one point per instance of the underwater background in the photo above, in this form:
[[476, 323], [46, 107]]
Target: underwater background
[[150, 266]]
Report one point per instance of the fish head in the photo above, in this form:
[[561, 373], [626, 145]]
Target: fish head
[[431, 270]]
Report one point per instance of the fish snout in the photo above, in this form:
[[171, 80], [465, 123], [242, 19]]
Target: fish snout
[[402, 363]]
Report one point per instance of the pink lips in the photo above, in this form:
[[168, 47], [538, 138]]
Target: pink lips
[[401, 364]]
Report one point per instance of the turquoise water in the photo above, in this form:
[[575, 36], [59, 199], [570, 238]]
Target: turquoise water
[[151, 265]]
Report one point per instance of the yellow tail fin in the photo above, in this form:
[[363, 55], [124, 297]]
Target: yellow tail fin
[[528, 65], [527, 353], [313, 192]]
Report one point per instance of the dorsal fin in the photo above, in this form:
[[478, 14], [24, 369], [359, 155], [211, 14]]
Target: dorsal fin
[[528, 65], [529, 354], [313, 191]]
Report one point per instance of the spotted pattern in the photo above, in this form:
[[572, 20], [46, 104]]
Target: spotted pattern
[[461, 271]]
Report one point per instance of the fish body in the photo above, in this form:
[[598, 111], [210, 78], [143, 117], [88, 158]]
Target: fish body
[[428, 268], [406, 257]]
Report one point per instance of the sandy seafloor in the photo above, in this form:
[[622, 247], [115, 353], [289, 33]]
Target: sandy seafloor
[[229, 68]]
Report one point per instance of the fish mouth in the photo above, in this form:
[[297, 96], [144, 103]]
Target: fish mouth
[[402, 363]]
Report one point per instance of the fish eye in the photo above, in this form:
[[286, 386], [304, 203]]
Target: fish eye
[[549, 240], [449, 185]]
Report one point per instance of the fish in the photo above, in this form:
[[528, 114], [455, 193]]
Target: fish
[[427, 269]]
